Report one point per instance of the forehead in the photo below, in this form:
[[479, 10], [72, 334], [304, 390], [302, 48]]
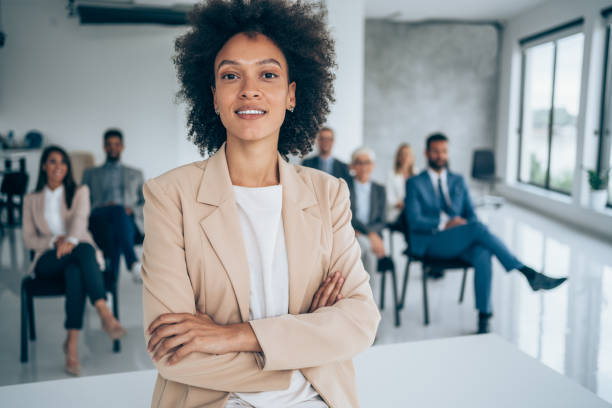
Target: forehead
[[55, 155], [438, 144], [363, 157], [113, 139], [325, 134], [249, 50]]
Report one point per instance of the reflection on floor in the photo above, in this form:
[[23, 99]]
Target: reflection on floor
[[568, 329]]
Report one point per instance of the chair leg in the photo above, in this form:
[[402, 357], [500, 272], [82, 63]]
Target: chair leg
[[116, 343], [405, 283], [382, 289], [395, 302], [31, 317], [24, 327], [463, 285], [425, 303]]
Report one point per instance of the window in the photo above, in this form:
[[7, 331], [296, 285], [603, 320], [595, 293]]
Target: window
[[550, 103], [604, 161]]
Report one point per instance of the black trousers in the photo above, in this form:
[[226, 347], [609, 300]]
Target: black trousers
[[82, 276]]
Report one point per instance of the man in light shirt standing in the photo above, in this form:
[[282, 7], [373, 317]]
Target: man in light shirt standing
[[443, 224]]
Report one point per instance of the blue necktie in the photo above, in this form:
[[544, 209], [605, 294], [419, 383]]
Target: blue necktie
[[443, 204]]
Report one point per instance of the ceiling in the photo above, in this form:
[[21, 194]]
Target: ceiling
[[417, 10]]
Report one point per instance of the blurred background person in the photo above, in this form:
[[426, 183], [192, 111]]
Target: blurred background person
[[324, 161], [443, 224], [403, 169], [368, 203], [116, 220], [55, 227]]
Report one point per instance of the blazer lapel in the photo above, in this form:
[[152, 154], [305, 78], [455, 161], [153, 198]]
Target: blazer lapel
[[39, 213], [433, 194], [222, 227], [302, 225], [373, 202]]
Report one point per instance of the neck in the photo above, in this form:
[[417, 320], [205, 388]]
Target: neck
[[437, 171], [362, 180], [252, 164], [324, 155], [52, 185]]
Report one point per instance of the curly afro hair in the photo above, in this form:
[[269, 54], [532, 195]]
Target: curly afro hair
[[298, 29]]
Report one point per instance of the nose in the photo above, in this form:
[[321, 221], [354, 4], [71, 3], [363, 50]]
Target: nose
[[249, 90]]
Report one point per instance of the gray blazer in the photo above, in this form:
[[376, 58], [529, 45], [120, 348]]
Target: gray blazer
[[378, 201], [133, 181]]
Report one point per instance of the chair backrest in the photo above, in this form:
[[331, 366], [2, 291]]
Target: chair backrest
[[80, 162], [483, 164]]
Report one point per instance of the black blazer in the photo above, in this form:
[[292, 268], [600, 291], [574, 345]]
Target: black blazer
[[339, 169], [378, 201]]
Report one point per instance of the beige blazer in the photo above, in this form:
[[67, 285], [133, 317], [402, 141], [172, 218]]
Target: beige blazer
[[36, 233], [194, 260]]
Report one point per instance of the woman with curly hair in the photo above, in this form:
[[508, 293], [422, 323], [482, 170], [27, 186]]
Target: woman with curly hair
[[254, 292]]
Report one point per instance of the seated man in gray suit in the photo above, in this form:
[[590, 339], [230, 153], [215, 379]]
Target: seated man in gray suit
[[443, 224], [368, 205], [324, 160], [117, 201]]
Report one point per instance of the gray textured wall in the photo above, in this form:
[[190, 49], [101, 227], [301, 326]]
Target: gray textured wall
[[421, 78]]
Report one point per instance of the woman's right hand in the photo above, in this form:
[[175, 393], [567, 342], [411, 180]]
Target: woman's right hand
[[328, 293]]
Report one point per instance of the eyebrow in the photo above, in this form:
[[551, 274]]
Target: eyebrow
[[262, 62]]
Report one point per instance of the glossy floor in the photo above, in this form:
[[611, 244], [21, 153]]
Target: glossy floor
[[568, 329]]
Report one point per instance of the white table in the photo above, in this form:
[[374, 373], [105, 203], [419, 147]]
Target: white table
[[471, 372]]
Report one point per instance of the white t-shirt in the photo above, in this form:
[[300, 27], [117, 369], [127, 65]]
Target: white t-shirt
[[259, 210]]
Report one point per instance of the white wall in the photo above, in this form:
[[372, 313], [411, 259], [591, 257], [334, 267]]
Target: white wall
[[71, 82], [545, 16]]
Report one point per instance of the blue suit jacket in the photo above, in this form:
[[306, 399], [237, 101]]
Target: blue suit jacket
[[422, 207]]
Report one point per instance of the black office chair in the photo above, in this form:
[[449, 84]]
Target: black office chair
[[483, 170], [32, 287], [385, 265], [427, 264]]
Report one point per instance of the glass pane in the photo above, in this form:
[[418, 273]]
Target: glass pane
[[536, 112], [566, 106]]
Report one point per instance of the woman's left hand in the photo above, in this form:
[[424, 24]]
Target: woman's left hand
[[180, 334]]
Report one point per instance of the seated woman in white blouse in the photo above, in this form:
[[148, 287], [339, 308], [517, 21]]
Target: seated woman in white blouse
[[55, 227], [403, 169]]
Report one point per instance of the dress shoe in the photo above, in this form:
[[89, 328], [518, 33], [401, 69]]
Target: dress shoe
[[539, 281], [435, 274], [483, 323], [135, 271], [113, 328], [73, 367]]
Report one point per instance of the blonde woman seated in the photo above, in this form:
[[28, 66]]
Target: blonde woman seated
[[55, 227], [403, 169], [254, 291]]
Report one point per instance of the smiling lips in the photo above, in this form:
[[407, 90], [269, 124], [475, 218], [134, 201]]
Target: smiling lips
[[250, 113]]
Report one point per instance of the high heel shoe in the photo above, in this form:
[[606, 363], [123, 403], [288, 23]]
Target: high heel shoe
[[113, 328], [73, 367]]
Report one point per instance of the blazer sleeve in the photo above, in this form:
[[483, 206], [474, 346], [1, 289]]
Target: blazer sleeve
[[414, 210], [31, 238], [332, 333], [167, 289], [78, 225]]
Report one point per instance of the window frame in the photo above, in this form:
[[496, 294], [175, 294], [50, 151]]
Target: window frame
[[604, 143], [552, 35]]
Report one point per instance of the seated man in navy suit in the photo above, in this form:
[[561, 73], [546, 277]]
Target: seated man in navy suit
[[324, 161], [443, 224]]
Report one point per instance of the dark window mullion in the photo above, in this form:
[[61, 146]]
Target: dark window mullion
[[521, 115], [551, 117]]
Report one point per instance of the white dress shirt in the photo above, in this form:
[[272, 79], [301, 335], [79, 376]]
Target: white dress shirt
[[396, 192], [362, 200], [263, 234], [53, 214], [444, 218]]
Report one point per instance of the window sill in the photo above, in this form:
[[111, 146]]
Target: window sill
[[560, 207]]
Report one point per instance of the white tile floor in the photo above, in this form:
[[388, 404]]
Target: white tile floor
[[568, 329]]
